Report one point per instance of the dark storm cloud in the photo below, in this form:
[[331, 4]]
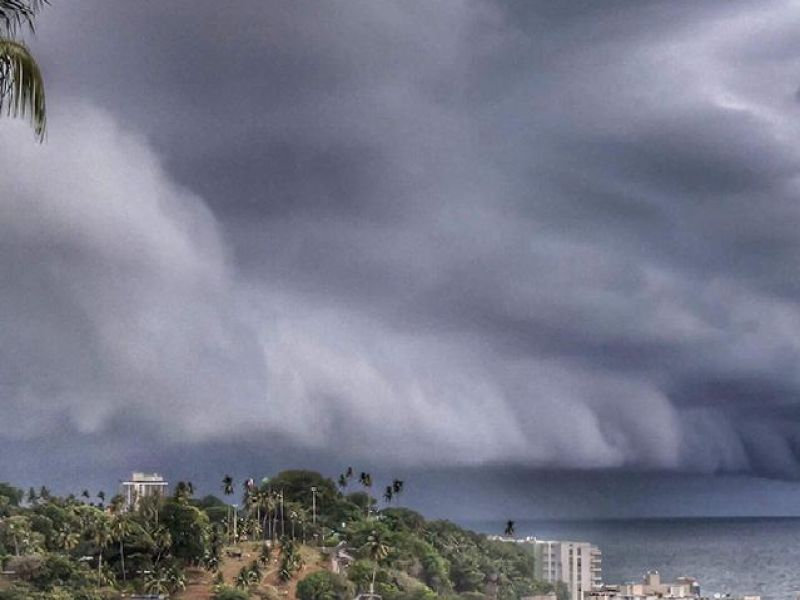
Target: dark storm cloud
[[451, 233]]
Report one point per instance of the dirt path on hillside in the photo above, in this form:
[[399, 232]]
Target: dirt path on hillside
[[200, 584]]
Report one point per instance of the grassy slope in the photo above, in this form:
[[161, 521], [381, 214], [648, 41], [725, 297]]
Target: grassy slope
[[200, 583]]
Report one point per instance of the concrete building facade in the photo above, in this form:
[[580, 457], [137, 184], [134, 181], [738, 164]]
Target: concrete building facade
[[650, 588], [141, 485], [653, 586], [577, 564]]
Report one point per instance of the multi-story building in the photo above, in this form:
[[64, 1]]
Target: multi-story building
[[650, 588], [141, 485], [577, 564]]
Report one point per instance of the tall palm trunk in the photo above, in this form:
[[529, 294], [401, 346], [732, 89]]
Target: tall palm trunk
[[122, 560], [283, 518]]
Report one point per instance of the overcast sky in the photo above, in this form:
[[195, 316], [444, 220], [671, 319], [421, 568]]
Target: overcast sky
[[542, 245]]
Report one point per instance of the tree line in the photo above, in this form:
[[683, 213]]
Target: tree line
[[88, 547]]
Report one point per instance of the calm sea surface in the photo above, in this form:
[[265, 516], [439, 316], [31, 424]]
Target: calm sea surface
[[738, 556]]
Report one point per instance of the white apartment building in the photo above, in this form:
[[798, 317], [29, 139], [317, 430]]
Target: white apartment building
[[141, 485], [577, 564]]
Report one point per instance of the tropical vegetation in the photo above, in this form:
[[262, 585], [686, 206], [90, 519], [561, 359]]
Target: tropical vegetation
[[21, 81], [290, 526]]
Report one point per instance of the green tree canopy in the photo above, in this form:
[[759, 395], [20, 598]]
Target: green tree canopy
[[10, 493], [296, 486], [189, 529], [324, 585]]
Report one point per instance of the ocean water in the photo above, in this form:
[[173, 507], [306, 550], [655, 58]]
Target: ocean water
[[727, 555]]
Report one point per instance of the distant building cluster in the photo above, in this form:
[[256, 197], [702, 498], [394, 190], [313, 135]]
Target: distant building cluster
[[579, 566], [141, 485], [650, 588]]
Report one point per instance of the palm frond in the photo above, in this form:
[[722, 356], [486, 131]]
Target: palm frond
[[21, 85], [18, 13]]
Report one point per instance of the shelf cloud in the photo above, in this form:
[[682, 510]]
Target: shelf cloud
[[429, 235]]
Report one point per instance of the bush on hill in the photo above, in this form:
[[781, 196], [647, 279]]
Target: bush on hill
[[230, 593], [324, 585]]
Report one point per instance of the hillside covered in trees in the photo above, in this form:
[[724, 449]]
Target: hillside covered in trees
[[278, 543]]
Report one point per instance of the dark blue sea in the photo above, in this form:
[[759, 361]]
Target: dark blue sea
[[727, 555]]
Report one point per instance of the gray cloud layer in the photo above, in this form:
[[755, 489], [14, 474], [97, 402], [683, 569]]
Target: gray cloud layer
[[446, 233]]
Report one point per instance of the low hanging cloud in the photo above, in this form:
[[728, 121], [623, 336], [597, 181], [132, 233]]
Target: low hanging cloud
[[118, 294], [455, 234]]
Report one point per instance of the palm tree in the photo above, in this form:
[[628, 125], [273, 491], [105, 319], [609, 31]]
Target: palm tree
[[293, 518], [85, 516], [101, 536], [149, 510], [17, 528], [117, 504], [342, 481], [21, 81], [156, 582], [85, 494], [509, 529], [120, 527], [162, 581], [161, 540], [183, 491], [388, 494], [249, 575], [269, 499], [247, 487], [397, 488], [377, 549], [255, 500], [101, 495], [291, 562], [227, 489], [68, 539], [227, 485], [366, 481], [263, 555]]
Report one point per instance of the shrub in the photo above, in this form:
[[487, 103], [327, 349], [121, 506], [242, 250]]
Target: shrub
[[435, 572], [324, 585], [26, 567], [229, 593], [472, 596]]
